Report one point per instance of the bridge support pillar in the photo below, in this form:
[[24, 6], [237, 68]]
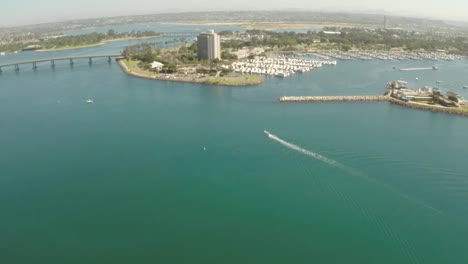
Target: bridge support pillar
[[90, 61], [0, 69], [16, 67], [71, 62], [34, 65], [52, 63], [109, 60]]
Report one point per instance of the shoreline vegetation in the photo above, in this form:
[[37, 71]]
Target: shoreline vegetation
[[44, 43], [131, 67], [94, 45]]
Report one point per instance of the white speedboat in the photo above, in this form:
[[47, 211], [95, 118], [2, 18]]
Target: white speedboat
[[266, 133], [89, 101]]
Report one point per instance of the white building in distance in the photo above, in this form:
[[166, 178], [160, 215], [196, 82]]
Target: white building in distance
[[208, 46]]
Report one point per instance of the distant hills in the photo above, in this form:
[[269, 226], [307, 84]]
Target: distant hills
[[371, 20]]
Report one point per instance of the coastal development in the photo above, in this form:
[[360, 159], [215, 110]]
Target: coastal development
[[242, 58]]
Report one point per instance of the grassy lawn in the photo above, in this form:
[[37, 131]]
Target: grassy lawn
[[236, 80], [464, 109], [132, 65]]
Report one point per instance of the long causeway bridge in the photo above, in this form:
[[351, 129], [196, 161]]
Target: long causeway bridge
[[53, 60]]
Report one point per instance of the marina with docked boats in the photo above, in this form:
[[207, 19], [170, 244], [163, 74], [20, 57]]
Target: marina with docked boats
[[279, 66]]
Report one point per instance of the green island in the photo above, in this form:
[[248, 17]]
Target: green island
[[181, 64], [61, 42]]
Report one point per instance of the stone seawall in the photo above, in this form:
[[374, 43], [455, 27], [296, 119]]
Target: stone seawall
[[368, 98], [432, 108], [376, 98]]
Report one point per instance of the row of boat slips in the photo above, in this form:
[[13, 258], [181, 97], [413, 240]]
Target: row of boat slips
[[390, 55], [281, 66]]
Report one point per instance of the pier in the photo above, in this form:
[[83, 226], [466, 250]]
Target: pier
[[52, 61], [367, 98]]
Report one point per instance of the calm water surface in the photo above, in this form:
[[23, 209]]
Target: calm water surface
[[161, 172]]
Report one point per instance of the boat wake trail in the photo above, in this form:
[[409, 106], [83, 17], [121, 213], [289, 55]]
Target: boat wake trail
[[313, 154], [347, 169]]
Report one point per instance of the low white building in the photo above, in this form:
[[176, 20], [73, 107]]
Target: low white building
[[156, 65]]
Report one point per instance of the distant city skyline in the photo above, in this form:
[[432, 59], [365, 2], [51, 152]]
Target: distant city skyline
[[27, 12]]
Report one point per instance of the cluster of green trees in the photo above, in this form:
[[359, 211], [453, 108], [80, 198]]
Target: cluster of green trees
[[352, 38], [93, 38], [188, 54], [145, 53]]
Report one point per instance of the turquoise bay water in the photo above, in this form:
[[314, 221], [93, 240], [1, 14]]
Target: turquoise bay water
[[128, 179]]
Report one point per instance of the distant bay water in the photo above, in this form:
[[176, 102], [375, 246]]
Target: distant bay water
[[165, 172]]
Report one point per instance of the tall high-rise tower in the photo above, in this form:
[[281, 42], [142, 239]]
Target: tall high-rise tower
[[209, 46]]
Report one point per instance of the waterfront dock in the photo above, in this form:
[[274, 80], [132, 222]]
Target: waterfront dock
[[367, 98]]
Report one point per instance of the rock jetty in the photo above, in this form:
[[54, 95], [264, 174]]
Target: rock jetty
[[375, 98], [368, 98], [426, 107]]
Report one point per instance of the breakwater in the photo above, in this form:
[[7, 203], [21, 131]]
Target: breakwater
[[374, 98], [426, 107], [367, 98]]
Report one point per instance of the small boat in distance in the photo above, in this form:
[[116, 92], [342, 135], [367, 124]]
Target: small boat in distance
[[464, 87], [266, 133], [89, 101]]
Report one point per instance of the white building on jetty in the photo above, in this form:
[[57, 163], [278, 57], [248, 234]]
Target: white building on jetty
[[209, 46]]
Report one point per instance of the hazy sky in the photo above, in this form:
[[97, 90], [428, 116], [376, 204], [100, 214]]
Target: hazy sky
[[20, 12]]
